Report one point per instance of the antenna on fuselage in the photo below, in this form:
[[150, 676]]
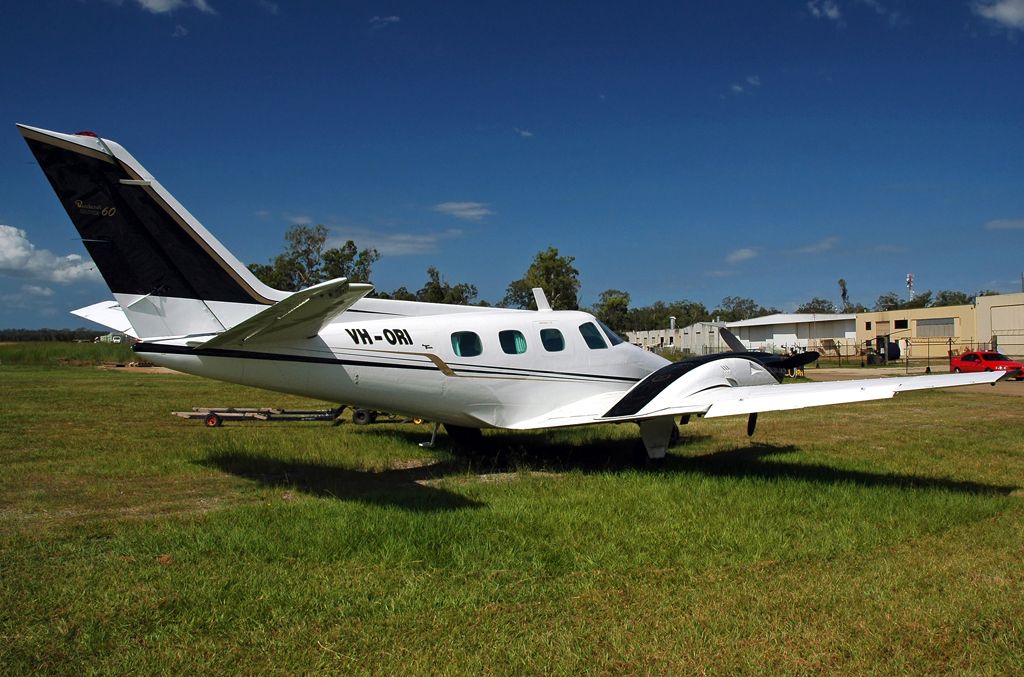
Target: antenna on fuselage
[[541, 299]]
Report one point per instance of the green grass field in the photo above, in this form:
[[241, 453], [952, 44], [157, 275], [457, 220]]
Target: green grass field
[[880, 537]]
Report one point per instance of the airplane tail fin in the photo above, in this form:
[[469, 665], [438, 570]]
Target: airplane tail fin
[[170, 276]]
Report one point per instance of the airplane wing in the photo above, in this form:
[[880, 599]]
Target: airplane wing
[[300, 315], [109, 314], [729, 401], [726, 400]]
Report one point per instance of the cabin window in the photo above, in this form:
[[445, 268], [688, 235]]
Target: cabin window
[[592, 336], [466, 344], [552, 340], [512, 342]]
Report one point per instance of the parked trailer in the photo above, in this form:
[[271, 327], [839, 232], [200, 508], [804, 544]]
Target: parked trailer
[[213, 417]]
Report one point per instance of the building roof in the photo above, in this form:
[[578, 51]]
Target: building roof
[[793, 318]]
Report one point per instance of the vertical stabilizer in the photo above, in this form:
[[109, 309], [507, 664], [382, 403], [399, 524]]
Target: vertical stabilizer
[[168, 273]]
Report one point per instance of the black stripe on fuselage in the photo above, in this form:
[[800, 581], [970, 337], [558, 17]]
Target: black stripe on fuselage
[[137, 245], [311, 359]]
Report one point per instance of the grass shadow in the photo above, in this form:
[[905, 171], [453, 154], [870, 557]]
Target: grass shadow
[[511, 451], [401, 488], [753, 461]]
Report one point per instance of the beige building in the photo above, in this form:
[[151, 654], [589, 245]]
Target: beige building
[[934, 332], [1000, 320]]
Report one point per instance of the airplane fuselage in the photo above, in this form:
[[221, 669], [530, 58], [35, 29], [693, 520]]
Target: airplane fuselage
[[480, 369]]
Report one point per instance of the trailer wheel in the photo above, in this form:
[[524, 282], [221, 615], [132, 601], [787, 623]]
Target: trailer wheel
[[362, 417], [213, 421]]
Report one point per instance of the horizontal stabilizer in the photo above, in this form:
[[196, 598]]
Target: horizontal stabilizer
[[301, 315], [109, 314]]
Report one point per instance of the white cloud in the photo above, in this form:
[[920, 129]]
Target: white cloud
[[1006, 13], [818, 247], [749, 84], [299, 219], [894, 17], [525, 133], [271, 7], [392, 244], [824, 9], [161, 6], [179, 31], [467, 211], [380, 22], [1005, 224], [20, 258], [740, 255], [36, 290], [168, 6]]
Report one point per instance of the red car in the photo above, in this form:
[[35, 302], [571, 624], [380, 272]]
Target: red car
[[986, 360]]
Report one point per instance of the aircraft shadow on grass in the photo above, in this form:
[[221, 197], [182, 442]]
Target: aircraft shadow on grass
[[402, 488], [754, 461], [412, 488]]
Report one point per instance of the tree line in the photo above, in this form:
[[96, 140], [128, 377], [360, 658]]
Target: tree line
[[305, 261], [64, 335]]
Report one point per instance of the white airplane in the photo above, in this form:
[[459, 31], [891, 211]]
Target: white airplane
[[197, 309]]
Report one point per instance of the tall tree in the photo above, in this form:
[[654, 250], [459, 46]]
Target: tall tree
[[736, 308], [554, 274], [350, 262], [922, 300], [948, 297], [304, 262], [304, 251], [438, 290], [613, 308], [888, 301], [844, 295], [817, 305]]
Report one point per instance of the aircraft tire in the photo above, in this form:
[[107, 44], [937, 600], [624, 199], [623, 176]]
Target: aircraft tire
[[362, 417]]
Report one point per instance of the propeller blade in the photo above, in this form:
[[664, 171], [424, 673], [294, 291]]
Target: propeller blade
[[751, 424], [735, 345], [797, 361]]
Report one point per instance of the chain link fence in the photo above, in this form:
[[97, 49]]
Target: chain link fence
[[925, 350]]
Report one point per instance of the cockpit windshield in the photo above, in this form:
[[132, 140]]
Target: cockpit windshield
[[613, 338]]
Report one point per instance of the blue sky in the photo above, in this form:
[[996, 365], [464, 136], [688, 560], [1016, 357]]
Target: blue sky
[[679, 150]]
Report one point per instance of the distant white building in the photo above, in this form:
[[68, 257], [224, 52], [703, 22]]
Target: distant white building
[[701, 338], [808, 331]]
